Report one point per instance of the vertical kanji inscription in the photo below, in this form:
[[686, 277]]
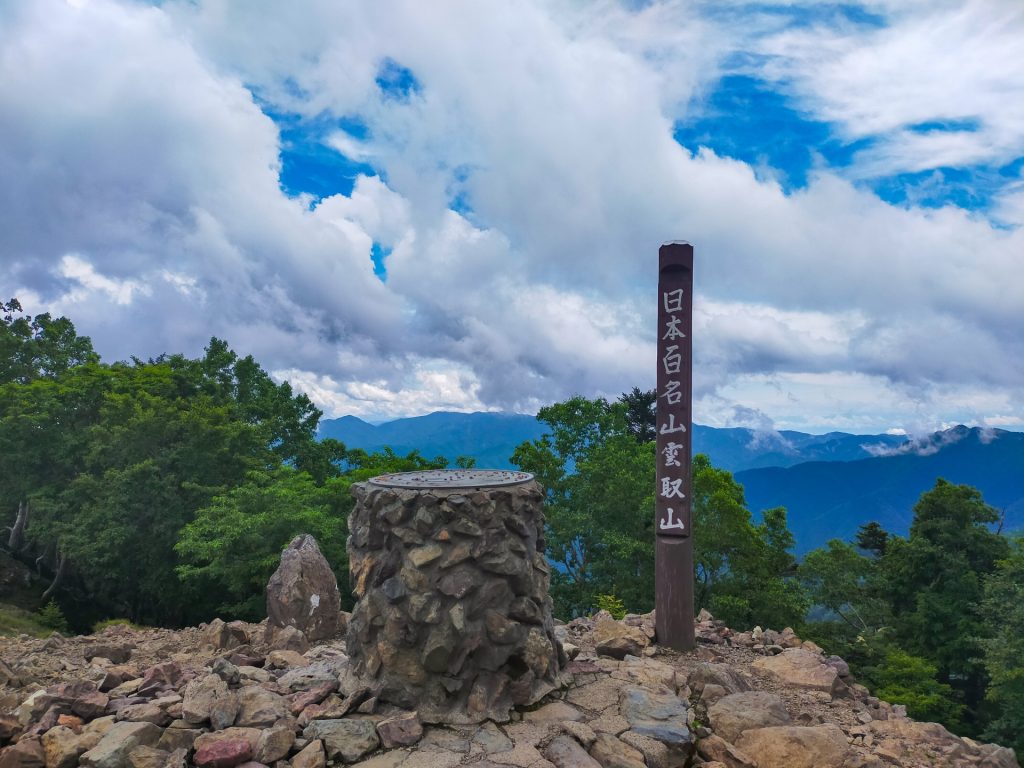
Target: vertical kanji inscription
[[674, 550]]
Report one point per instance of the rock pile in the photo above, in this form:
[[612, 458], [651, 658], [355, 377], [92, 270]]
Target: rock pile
[[221, 698]]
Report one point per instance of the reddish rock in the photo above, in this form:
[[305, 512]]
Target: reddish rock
[[27, 753], [91, 705], [70, 721], [167, 676], [315, 695], [9, 728], [118, 653], [116, 674], [223, 754], [400, 731]]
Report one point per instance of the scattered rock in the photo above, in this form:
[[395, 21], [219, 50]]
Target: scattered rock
[[259, 708], [223, 635], [201, 697], [147, 757], [115, 652], [226, 753], [662, 716], [795, 746], [714, 747], [345, 739], [402, 730], [274, 744], [27, 753], [733, 714], [287, 639], [610, 752], [310, 756], [553, 712], [565, 752], [800, 668], [117, 743], [615, 639], [62, 747]]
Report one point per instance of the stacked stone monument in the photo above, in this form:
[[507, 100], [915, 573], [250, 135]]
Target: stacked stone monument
[[453, 615]]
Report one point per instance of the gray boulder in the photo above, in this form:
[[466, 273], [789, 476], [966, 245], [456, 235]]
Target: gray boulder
[[303, 592]]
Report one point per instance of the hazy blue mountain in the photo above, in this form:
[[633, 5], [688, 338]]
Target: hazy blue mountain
[[737, 448], [491, 438], [830, 483], [830, 499], [488, 437]]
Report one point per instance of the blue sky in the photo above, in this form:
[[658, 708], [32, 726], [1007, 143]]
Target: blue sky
[[403, 207]]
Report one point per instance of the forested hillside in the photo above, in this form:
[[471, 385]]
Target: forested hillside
[[832, 499], [162, 490], [933, 620]]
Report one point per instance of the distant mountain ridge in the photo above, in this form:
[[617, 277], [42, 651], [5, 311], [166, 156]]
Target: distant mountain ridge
[[828, 500], [492, 437], [830, 484]]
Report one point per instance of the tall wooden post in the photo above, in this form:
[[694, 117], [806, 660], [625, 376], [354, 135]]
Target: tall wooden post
[[674, 541]]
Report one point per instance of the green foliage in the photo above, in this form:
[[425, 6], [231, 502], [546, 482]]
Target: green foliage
[[113, 461], [837, 577], [600, 505], [641, 413], [50, 615], [743, 571], [871, 537], [933, 583], [234, 544], [901, 678], [40, 346], [18, 621], [612, 604], [600, 479], [915, 615], [99, 626], [1002, 610]]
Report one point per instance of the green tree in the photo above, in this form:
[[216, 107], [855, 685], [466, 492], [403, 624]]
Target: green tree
[[600, 505], [234, 543], [38, 347], [600, 511], [641, 413], [1003, 613], [933, 581], [871, 537], [901, 678], [102, 465], [838, 578]]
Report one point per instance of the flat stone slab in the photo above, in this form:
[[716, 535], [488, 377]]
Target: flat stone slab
[[452, 478]]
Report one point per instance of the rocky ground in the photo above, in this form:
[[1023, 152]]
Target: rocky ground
[[217, 696]]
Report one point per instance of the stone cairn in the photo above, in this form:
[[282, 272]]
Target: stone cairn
[[453, 615]]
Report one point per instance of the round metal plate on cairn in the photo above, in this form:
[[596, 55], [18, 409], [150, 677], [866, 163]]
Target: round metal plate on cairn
[[452, 478], [453, 617]]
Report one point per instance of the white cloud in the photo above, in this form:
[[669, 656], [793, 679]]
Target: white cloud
[[947, 62], [133, 138]]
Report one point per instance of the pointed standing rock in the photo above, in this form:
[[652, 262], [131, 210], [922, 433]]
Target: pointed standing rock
[[303, 592]]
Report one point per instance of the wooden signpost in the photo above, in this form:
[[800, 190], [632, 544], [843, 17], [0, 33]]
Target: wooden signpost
[[674, 540]]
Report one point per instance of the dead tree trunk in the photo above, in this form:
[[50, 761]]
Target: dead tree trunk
[[17, 538], [58, 576]]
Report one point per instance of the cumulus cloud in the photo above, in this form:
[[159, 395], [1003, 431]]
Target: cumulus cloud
[[522, 181]]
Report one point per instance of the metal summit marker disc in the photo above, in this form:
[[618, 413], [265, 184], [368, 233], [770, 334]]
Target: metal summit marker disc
[[452, 478]]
